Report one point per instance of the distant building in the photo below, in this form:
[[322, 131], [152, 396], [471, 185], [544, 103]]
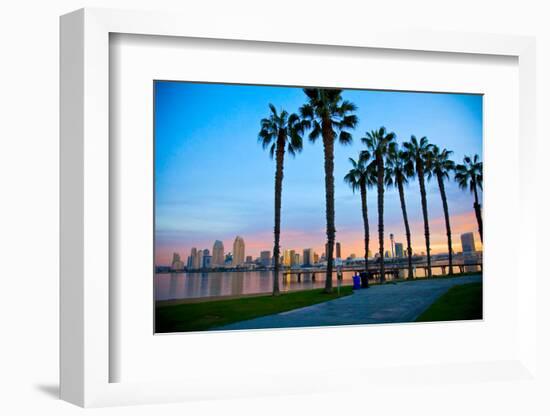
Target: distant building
[[352, 256], [296, 259], [195, 264], [206, 261], [249, 259], [469, 255], [337, 253], [217, 254], [369, 253], [468, 244], [399, 250], [392, 241], [228, 259], [200, 255], [265, 258], [238, 251], [315, 258], [288, 257], [387, 254], [308, 257], [177, 264]]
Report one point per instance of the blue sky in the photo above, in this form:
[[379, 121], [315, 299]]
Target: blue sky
[[214, 181]]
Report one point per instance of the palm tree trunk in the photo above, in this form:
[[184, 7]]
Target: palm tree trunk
[[380, 174], [477, 209], [407, 229], [278, 196], [365, 223], [328, 144], [420, 174], [447, 221]]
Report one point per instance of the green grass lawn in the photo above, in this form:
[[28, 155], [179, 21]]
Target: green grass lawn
[[203, 315], [462, 302]]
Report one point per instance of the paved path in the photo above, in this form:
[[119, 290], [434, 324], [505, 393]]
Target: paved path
[[402, 302]]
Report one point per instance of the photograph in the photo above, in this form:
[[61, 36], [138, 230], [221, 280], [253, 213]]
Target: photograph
[[300, 206]]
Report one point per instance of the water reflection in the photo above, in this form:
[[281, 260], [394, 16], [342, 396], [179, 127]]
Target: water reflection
[[197, 285]]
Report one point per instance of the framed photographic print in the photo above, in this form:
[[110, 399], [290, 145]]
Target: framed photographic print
[[236, 210], [220, 266]]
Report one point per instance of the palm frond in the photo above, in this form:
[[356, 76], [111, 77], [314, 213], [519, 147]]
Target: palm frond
[[315, 132], [345, 138]]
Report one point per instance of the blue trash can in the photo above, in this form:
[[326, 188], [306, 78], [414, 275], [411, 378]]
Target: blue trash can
[[356, 282]]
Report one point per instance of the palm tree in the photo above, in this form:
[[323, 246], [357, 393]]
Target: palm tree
[[439, 165], [417, 152], [399, 169], [377, 142], [330, 117], [470, 174], [360, 178], [280, 132]]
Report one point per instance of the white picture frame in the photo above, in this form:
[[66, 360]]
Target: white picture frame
[[85, 211]]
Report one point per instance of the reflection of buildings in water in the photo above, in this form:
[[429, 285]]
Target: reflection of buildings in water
[[204, 284], [214, 284], [265, 282], [237, 283], [257, 282], [191, 286], [158, 287], [172, 288]]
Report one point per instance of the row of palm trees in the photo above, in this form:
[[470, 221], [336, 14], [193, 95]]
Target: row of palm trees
[[385, 164], [328, 116]]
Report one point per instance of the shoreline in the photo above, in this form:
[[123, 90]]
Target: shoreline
[[183, 301]]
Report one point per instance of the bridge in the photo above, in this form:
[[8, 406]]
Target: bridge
[[390, 270]]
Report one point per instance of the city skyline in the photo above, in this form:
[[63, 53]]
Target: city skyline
[[309, 256], [213, 181]]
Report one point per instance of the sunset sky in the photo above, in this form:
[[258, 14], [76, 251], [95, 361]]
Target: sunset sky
[[213, 180]]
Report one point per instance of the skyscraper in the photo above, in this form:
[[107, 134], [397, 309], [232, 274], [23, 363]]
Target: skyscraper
[[392, 245], [288, 257], [468, 244], [194, 259], [337, 253], [217, 254], [177, 264], [296, 259], [238, 251], [206, 260], [265, 258], [399, 250], [200, 255], [308, 256]]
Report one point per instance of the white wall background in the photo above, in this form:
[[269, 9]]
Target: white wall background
[[29, 56]]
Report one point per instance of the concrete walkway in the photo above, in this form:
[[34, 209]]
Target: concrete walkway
[[402, 302]]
